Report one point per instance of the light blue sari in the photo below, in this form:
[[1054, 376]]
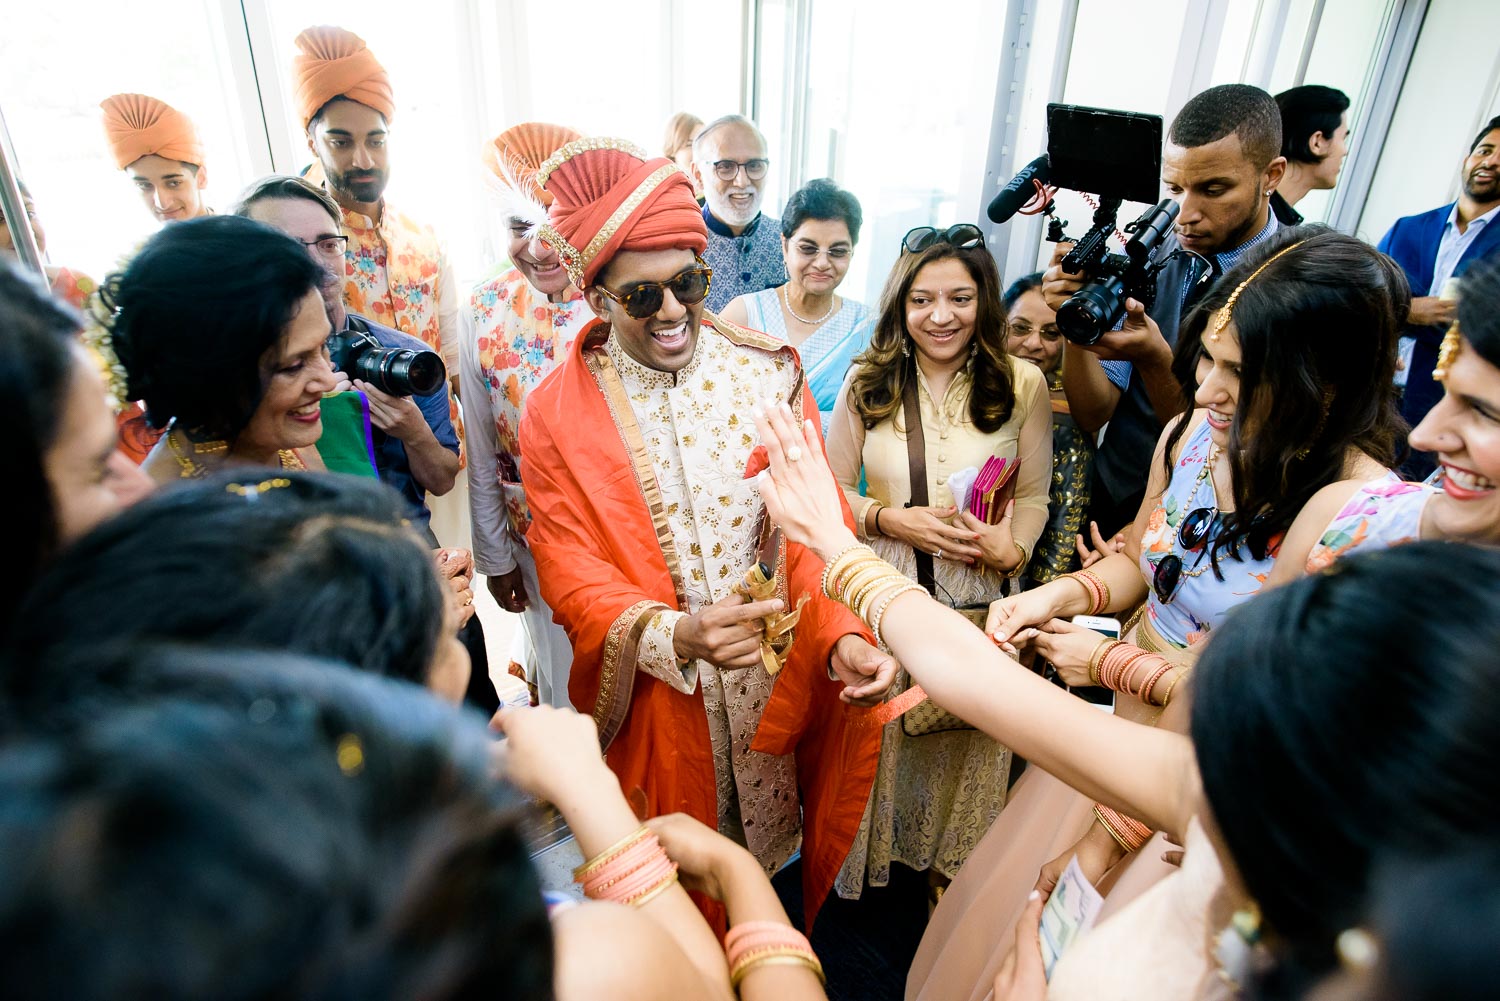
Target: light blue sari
[[827, 354]]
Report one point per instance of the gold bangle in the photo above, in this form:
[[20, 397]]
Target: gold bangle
[[656, 891], [832, 565], [1100, 652], [1119, 839], [779, 956], [878, 618], [867, 608], [1020, 566], [853, 574], [1166, 697], [856, 594], [615, 849]]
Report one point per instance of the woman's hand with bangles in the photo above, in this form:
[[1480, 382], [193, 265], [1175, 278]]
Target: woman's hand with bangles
[[799, 491], [553, 754], [1069, 647], [704, 857], [1011, 615]]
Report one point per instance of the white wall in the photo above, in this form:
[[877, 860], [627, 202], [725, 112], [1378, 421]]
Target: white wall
[[1452, 88]]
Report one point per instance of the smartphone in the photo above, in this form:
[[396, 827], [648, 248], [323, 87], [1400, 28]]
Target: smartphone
[[1102, 697]]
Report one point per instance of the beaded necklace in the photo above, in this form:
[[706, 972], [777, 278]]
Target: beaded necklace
[[1203, 474], [811, 323]]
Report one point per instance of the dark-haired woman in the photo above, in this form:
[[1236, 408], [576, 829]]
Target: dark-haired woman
[[1334, 722], [1282, 354], [66, 475], [940, 341], [1462, 430], [221, 329], [322, 565], [819, 229]]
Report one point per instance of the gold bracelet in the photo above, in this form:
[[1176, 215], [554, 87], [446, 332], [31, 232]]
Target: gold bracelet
[[1119, 839], [1105, 645], [879, 617], [860, 584], [1166, 697], [656, 891], [1020, 566], [832, 564], [875, 590], [853, 573], [615, 849], [778, 956]]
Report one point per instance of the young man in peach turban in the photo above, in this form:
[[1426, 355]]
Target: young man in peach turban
[[517, 327], [160, 149], [646, 518], [396, 272]]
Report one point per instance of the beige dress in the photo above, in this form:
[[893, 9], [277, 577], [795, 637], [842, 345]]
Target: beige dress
[[935, 795]]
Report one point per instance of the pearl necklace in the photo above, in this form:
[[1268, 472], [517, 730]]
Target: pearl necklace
[[802, 319]]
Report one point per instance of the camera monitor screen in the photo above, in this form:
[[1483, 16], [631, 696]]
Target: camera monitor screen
[[1115, 154]]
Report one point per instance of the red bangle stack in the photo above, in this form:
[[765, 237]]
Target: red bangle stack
[[767, 943], [1132, 671], [1128, 831], [631, 872]]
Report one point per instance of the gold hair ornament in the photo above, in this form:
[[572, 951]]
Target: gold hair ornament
[[1225, 312], [1448, 352], [252, 491]]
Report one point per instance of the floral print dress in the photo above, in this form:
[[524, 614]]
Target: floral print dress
[[1382, 513]]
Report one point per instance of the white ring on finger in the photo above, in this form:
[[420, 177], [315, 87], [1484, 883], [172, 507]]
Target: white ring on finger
[[939, 554], [793, 454]]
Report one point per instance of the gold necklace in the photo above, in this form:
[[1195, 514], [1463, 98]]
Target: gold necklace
[[286, 458]]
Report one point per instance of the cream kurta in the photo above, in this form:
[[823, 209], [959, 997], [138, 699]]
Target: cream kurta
[[697, 429], [935, 795]]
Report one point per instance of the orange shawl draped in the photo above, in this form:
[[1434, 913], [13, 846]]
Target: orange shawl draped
[[601, 569]]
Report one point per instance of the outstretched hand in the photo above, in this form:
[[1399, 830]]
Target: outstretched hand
[[798, 488]]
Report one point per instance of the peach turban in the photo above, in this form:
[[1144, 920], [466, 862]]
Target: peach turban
[[137, 126], [514, 156], [332, 62], [608, 197]]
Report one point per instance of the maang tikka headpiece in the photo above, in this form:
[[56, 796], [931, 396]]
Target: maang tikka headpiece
[[1225, 313]]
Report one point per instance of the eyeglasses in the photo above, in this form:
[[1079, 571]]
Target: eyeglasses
[[689, 288], [727, 170], [1196, 529], [329, 245], [963, 236]]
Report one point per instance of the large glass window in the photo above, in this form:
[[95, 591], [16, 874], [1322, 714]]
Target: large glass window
[[890, 113], [56, 65]]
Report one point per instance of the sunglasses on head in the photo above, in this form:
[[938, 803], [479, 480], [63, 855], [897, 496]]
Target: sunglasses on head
[[963, 236], [689, 288], [1195, 530]]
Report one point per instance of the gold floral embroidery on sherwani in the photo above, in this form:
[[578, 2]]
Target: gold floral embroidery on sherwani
[[695, 427]]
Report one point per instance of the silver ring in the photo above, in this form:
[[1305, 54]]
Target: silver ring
[[794, 454], [939, 554]]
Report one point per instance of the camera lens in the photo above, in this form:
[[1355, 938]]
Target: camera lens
[[1092, 310], [419, 373]]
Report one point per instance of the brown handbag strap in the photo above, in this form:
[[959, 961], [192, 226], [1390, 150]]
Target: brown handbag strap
[[916, 459]]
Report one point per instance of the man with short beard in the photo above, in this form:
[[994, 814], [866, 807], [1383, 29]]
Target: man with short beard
[[517, 327], [744, 244], [1433, 248], [1221, 164], [396, 272]]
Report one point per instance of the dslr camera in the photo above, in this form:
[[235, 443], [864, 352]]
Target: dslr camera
[[1115, 156], [397, 371]]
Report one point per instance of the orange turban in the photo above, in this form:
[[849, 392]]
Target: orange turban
[[608, 197], [333, 63], [137, 126], [515, 155]]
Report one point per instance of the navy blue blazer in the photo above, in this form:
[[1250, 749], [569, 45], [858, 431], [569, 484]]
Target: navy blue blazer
[[1413, 243]]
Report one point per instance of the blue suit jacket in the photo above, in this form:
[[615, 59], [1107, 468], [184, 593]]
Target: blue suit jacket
[[1413, 243]]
